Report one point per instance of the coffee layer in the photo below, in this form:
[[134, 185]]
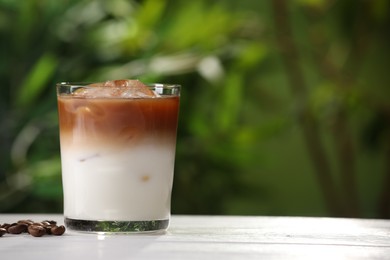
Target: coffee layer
[[120, 121]]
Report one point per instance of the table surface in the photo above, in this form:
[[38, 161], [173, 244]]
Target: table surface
[[212, 237]]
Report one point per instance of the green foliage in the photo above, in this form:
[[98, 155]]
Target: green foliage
[[36, 80], [241, 148]]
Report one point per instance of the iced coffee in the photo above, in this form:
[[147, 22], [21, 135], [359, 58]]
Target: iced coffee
[[118, 142]]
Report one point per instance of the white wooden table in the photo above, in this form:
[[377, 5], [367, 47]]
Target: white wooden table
[[212, 237]]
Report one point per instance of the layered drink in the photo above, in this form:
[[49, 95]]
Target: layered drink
[[118, 142]]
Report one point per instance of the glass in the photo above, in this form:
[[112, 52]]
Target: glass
[[117, 158]]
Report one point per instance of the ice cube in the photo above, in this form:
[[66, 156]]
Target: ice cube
[[123, 88], [94, 92], [137, 93]]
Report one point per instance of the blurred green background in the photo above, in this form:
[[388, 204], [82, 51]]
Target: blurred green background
[[284, 109]]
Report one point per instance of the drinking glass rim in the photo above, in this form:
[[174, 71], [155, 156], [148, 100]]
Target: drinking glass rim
[[163, 89], [85, 85]]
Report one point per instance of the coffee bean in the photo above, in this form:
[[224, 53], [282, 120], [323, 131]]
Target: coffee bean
[[17, 229], [2, 231], [5, 226], [52, 222], [36, 230], [12, 224], [58, 231], [45, 223], [37, 224], [48, 228], [27, 221]]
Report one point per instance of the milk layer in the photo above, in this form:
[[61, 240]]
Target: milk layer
[[127, 184]]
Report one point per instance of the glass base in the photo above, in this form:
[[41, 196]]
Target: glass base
[[98, 226]]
